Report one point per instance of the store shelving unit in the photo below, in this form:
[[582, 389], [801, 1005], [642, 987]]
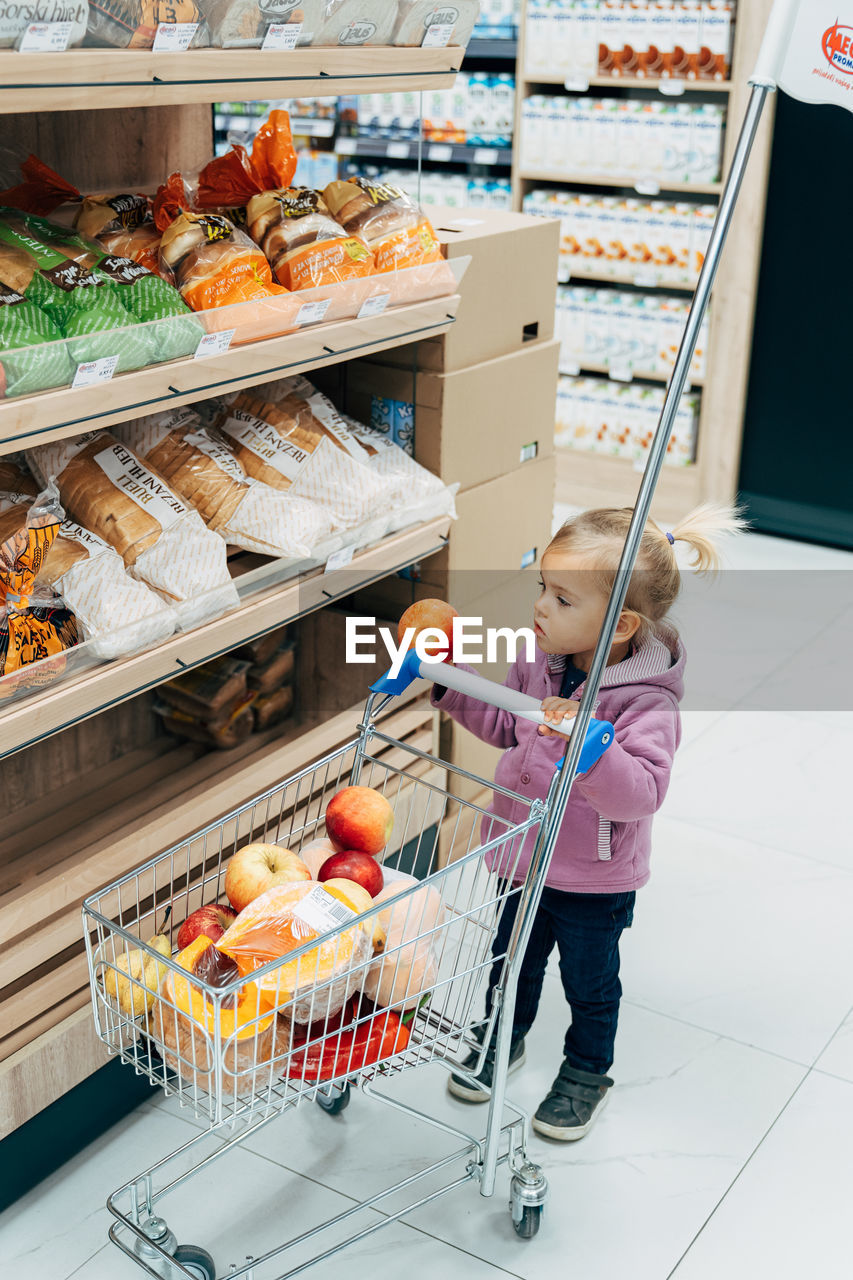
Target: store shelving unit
[[392, 150], [114, 120], [590, 479]]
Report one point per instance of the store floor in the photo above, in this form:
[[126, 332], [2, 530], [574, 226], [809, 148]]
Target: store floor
[[725, 1148]]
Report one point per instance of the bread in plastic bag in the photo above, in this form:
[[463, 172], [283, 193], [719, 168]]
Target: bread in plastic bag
[[302, 242], [15, 18], [417, 494], [162, 541], [202, 467], [351, 23], [396, 229], [214, 263], [415, 17], [118, 613], [132, 24], [296, 440], [124, 224]]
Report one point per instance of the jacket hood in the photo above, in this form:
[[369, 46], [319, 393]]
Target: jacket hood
[[658, 661]]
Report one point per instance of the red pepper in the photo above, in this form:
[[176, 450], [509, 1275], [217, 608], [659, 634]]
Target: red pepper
[[335, 1048]]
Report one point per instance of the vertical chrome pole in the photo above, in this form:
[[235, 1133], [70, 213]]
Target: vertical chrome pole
[[535, 879]]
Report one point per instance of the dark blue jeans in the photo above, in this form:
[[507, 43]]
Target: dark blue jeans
[[586, 928]]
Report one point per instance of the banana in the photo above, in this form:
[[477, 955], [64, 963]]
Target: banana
[[136, 977]]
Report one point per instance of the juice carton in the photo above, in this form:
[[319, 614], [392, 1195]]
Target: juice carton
[[688, 39], [503, 108], [478, 108], [707, 142], [636, 215], [629, 136], [577, 135], [533, 132], [681, 216], [715, 59], [561, 32], [654, 133], [605, 120], [660, 238], [611, 37], [660, 31], [537, 58], [678, 160], [636, 24], [585, 33], [592, 233], [704, 216], [645, 315]]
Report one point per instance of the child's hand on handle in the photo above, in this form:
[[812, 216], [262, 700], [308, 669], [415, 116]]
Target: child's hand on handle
[[557, 710]]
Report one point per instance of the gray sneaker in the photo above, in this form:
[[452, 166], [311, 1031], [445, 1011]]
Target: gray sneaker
[[575, 1099], [468, 1092]]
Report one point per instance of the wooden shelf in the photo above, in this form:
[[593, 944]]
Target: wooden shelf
[[594, 277], [595, 480], [82, 79], [50, 415], [628, 82], [593, 180], [638, 375], [57, 707]]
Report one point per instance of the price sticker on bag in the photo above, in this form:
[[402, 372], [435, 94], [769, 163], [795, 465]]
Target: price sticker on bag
[[340, 558], [374, 306], [282, 35], [321, 912], [174, 37], [214, 344], [312, 312], [45, 37], [438, 36], [94, 372]]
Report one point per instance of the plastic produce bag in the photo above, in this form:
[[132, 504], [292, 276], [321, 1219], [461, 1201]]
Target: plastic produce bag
[[132, 24], [417, 494], [203, 469], [303, 243], [397, 231], [164, 543], [33, 356], [408, 965]]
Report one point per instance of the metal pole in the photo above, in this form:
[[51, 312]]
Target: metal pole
[[535, 880]]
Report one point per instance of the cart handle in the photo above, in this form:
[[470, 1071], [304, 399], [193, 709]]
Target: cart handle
[[599, 735]]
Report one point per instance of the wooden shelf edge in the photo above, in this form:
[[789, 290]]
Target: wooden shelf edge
[[636, 82], [40, 1072], [639, 375], [626, 181], [83, 79], [52, 415], [593, 277], [57, 708]]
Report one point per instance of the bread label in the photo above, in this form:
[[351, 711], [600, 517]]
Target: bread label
[[217, 453], [143, 488], [176, 36], [265, 443], [282, 35], [357, 33], [321, 912], [76, 533], [326, 413]]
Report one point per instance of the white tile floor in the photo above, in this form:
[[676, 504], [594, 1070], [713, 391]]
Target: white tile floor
[[725, 1149]]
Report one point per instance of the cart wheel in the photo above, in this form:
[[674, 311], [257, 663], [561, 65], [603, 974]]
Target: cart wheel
[[528, 1225], [334, 1099], [196, 1260]]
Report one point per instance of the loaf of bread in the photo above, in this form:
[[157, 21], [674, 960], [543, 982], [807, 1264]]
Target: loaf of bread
[[203, 469], [416, 494], [107, 489], [395, 228], [350, 23], [415, 17], [13, 479]]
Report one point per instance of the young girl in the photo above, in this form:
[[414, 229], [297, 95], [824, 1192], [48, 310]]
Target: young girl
[[602, 852]]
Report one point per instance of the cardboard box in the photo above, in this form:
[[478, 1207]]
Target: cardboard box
[[473, 425], [507, 291]]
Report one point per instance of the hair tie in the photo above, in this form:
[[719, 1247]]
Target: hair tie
[[670, 539]]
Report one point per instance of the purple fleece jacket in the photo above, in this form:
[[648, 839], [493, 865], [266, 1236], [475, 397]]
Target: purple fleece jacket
[[604, 843]]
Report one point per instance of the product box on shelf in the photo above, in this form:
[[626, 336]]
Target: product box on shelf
[[508, 289], [474, 424]]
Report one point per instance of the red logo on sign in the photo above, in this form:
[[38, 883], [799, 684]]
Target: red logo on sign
[[838, 48]]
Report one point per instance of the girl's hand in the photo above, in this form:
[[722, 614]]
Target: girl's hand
[[556, 710]]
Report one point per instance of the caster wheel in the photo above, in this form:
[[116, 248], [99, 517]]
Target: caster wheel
[[196, 1260], [528, 1225], [334, 1100]]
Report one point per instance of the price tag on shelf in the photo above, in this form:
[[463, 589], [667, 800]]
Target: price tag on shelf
[[94, 372], [485, 155], [671, 88], [282, 35], [45, 37], [214, 344], [570, 369], [174, 37], [374, 306], [647, 278], [438, 35], [620, 373], [312, 312], [647, 186], [440, 151], [576, 82], [346, 146], [468, 222], [397, 151], [564, 275], [338, 559]]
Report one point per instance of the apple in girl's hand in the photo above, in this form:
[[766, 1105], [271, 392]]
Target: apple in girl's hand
[[359, 818], [211, 920], [258, 867], [352, 865], [432, 615]]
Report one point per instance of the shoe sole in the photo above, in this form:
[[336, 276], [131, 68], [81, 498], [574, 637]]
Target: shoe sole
[[465, 1093], [569, 1133]]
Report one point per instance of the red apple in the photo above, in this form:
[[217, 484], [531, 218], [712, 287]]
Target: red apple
[[352, 865], [258, 867], [435, 615], [359, 818], [211, 920]]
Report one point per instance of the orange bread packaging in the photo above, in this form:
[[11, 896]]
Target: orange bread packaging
[[215, 264], [396, 230], [305, 246]]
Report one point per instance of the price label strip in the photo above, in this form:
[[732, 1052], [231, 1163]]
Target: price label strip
[[282, 35], [339, 559], [374, 306], [94, 372], [214, 344], [174, 37], [312, 312], [45, 37]]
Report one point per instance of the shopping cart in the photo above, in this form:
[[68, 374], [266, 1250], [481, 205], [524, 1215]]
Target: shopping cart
[[240, 1050]]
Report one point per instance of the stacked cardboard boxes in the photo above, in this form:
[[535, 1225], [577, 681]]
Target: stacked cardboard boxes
[[482, 399]]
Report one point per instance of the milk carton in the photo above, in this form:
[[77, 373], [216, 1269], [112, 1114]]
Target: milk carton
[[579, 142], [629, 137], [707, 142], [606, 116], [654, 134], [478, 108], [678, 159], [682, 229], [503, 109], [688, 39], [537, 48], [592, 231], [611, 37], [561, 35], [557, 136], [715, 61], [533, 132], [585, 29]]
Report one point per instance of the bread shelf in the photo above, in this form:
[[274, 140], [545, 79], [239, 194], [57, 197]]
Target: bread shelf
[[662, 86], [627, 181], [30, 719], [82, 79], [51, 415]]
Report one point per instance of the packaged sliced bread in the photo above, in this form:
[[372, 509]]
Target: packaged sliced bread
[[417, 494], [356, 22], [415, 17], [204, 470], [395, 228], [107, 489], [118, 613], [292, 437]]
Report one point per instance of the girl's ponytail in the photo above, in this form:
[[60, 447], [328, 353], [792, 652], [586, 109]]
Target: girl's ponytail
[[703, 529]]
